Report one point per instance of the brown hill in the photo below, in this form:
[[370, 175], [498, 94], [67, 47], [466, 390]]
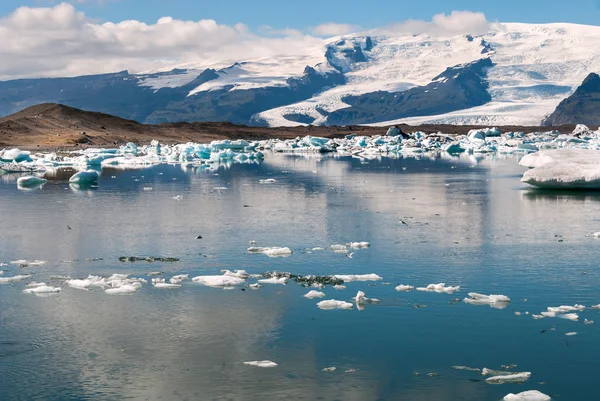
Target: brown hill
[[52, 125]]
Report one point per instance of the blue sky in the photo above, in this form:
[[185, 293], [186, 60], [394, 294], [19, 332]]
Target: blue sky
[[306, 13]]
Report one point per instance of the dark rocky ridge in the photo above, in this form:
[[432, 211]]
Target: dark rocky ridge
[[582, 107]]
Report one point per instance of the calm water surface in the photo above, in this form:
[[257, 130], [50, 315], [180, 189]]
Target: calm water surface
[[470, 223]]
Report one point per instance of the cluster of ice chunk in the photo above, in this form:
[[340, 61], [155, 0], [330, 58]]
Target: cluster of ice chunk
[[440, 288], [495, 301]]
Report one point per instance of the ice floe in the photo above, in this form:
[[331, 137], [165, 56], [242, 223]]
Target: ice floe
[[42, 289], [271, 251], [30, 181], [161, 283], [261, 364], [495, 301], [218, 281], [358, 277], [529, 395], [334, 304], [404, 287], [274, 280], [85, 177], [521, 377], [440, 288], [312, 294], [20, 277]]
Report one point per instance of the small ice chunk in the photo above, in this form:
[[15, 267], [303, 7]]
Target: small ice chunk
[[566, 308], [530, 395], [20, 277], [261, 364], [330, 369], [466, 368], [595, 306], [569, 316], [511, 378], [218, 281], [585, 321], [403, 287], [34, 284], [267, 181], [339, 248], [255, 286], [495, 301], [358, 277], [84, 177], [42, 289], [359, 245], [166, 285], [178, 279], [272, 252], [30, 181], [238, 273], [123, 289], [274, 280], [317, 248], [79, 284], [571, 333], [360, 298], [339, 287], [334, 304], [312, 294], [439, 288]]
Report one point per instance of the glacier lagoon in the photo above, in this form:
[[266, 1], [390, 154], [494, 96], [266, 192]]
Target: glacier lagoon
[[464, 221]]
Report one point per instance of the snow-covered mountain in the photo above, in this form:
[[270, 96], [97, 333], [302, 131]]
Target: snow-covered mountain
[[516, 74]]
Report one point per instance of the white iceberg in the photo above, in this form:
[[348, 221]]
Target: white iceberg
[[218, 281], [273, 252], [261, 364], [20, 277], [403, 287], [42, 289], [79, 284], [274, 280], [359, 245], [530, 395], [123, 289], [358, 277], [563, 168], [439, 288], [495, 301], [521, 377], [334, 304], [312, 294]]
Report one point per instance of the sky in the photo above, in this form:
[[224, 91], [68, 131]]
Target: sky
[[49, 38], [302, 14]]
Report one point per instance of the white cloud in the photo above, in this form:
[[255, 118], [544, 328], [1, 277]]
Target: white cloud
[[59, 41], [455, 23], [62, 41], [333, 29]]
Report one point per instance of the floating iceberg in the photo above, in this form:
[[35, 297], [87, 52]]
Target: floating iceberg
[[312, 294], [511, 378], [440, 288], [274, 280], [563, 168], [359, 245], [261, 364], [403, 287], [358, 277], [161, 283], [530, 395], [80, 284], [84, 177], [30, 181], [495, 301], [8, 280], [271, 251], [218, 281], [42, 289], [123, 289], [334, 304]]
